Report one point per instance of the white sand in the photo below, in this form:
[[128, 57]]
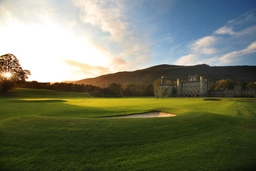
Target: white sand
[[146, 115]]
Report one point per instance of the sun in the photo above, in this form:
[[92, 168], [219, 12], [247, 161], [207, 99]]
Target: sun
[[7, 74]]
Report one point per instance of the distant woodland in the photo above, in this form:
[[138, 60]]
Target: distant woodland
[[129, 89], [113, 90], [144, 82]]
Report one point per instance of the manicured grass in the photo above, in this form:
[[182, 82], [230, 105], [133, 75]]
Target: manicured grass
[[58, 131]]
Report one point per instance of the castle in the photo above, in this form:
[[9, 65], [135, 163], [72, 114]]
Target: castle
[[236, 92], [199, 86], [195, 86]]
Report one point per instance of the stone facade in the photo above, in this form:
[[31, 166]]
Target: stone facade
[[199, 86], [195, 86], [236, 92]]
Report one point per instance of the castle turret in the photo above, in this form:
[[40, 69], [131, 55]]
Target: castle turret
[[179, 87], [202, 85], [192, 77]]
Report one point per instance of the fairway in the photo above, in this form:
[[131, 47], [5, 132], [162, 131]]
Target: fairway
[[47, 130]]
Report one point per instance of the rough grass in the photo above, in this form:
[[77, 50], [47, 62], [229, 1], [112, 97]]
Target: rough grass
[[64, 132]]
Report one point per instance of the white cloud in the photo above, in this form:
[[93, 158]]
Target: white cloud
[[204, 45], [246, 17], [250, 31], [190, 59], [110, 16], [234, 56], [220, 49], [199, 49], [224, 30], [251, 48]]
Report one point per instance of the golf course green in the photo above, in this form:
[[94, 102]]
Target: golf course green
[[48, 130]]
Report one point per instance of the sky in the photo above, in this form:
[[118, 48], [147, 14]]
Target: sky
[[67, 40]]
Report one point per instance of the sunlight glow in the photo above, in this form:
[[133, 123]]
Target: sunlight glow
[[49, 46], [7, 74]]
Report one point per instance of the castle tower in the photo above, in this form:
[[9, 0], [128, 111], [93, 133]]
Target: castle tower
[[192, 77], [202, 86], [179, 87]]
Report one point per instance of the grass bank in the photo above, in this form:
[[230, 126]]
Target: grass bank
[[52, 131]]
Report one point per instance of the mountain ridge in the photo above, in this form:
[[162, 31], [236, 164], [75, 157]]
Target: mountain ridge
[[172, 72]]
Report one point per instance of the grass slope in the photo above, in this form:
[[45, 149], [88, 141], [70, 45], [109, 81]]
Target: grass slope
[[60, 132]]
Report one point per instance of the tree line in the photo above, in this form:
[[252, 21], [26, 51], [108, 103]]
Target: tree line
[[229, 84], [113, 90], [12, 75], [129, 89]]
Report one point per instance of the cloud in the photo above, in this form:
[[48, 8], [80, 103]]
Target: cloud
[[244, 18], [111, 17], [107, 16], [250, 31], [204, 45], [199, 50], [224, 30], [220, 49], [251, 48], [187, 60], [6, 13], [85, 69], [27, 11], [119, 61], [234, 56]]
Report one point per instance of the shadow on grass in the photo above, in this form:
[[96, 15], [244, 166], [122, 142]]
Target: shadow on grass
[[213, 99], [37, 101]]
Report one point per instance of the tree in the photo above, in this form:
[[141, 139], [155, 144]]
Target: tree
[[222, 84], [149, 90], [115, 90], [156, 83], [11, 73], [251, 85], [164, 92]]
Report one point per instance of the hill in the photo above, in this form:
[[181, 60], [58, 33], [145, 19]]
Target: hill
[[172, 72]]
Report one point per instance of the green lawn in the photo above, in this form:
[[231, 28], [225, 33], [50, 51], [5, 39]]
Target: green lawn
[[46, 130]]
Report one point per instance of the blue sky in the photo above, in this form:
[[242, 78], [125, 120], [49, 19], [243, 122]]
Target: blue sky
[[60, 40]]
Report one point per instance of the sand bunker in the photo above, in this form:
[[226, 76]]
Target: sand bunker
[[146, 115]]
